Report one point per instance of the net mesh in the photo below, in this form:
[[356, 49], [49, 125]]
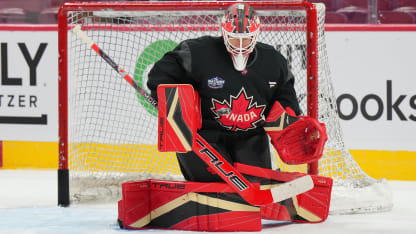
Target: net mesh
[[112, 130]]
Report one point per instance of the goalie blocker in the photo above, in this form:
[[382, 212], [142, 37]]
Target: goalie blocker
[[179, 117]]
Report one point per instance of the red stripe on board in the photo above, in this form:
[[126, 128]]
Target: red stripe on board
[[28, 27], [328, 27], [370, 27], [1, 153]]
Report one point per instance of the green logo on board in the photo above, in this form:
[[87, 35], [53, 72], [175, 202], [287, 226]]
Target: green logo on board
[[150, 55]]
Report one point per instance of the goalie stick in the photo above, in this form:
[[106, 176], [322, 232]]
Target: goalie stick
[[209, 155]]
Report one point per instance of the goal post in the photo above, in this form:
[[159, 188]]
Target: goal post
[[108, 132]]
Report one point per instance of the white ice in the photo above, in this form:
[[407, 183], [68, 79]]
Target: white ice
[[28, 204]]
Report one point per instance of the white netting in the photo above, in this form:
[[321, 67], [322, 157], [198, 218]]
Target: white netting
[[113, 131]]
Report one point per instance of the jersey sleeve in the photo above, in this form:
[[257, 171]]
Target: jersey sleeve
[[286, 93], [173, 68]]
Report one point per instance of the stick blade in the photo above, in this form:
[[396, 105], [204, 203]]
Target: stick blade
[[292, 188]]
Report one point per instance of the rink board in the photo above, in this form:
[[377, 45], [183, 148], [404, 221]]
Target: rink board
[[392, 165]]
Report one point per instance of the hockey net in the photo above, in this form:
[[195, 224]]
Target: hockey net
[[108, 132]]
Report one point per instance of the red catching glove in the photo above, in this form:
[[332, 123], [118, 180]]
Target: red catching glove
[[297, 139]]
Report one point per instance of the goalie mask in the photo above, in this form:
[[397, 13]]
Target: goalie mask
[[240, 27]]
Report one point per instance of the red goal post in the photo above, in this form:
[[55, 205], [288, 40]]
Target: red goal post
[[92, 144]]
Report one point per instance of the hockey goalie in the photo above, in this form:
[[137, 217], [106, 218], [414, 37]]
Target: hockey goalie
[[214, 205], [222, 101]]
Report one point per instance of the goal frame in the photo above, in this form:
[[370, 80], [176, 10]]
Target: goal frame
[[311, 59]]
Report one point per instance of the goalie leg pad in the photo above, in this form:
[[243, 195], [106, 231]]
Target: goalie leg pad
[[191, 206], [179, 117], [309, 207]]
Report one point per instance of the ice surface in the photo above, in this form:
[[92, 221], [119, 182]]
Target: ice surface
[[28, 201]]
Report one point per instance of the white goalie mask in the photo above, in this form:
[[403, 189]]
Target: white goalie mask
[[240, 27]]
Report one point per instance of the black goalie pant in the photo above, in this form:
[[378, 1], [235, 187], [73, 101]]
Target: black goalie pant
[[250, 148]]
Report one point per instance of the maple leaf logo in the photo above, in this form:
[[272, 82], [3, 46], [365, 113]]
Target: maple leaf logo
[[240, 114]]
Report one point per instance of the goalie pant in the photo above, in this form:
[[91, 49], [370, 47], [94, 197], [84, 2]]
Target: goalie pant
[[250, 148]]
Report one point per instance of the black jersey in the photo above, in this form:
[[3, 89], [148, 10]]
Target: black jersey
[[230, 99]]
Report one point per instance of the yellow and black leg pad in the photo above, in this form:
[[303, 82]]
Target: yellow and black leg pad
[[309, 207], [192, 206], [179, 117]]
